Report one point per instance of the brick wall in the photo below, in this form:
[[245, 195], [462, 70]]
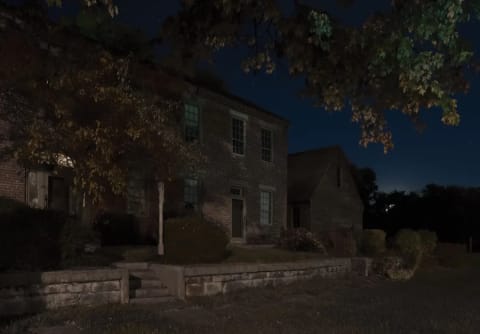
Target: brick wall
[[249, 172], [12, 181], [12, 176]]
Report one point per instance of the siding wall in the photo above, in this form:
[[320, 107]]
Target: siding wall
[[334, 207]]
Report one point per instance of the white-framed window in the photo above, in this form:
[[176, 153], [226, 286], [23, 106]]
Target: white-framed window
[[190, 192], [192, 122], [238, 136], [267, 145], [266, 207]]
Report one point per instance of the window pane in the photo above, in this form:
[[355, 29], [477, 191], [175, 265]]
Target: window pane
[[190, 193], [192, 122], [266, 145], [238, 136], [265, 208]]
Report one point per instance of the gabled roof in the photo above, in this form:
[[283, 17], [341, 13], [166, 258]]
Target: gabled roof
[[306, 169]]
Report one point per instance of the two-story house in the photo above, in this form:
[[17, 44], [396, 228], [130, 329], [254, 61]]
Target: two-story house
[[242, 186]]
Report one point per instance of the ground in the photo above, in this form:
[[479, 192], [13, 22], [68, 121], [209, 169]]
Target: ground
[[436, 300], [237, 254]]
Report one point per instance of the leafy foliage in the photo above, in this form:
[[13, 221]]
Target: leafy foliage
[[408, 58], [117, 229], [429, 241], [300, 239], [74, 237], [373, 242], [102, 114], [30, 239], [409, 244]]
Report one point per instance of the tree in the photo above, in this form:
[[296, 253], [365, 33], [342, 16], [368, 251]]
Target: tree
[[366, 182], [408, 58], [103, 116]]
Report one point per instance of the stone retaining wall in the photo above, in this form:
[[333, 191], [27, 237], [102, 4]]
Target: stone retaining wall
[[22, 293], [205, 280]]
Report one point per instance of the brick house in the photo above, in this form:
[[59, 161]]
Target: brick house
[[243, 186], [322, 194]]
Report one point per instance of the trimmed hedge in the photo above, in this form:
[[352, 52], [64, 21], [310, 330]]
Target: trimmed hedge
[[117, 229], [30, 239], [429, 241], [192, 239], [409, 244], [74, 237], [339, 242], [373, 242]]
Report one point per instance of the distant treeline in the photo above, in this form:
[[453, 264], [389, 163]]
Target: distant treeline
[[452, 212]]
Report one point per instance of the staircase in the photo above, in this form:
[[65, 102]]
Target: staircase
[[145, 287]]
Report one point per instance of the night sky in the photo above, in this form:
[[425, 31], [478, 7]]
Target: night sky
[[440, 154]]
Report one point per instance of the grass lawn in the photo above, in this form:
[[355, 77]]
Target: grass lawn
[[108, 255], [436, 300]]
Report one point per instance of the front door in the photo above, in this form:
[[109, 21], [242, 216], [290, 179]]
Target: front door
[[237, 218]]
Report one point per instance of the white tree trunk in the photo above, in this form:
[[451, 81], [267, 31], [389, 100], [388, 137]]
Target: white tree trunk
[[161, 197]]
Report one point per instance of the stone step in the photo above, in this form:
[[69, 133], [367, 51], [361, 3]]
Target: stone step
[[143, 274], [149, 293], [132, 265], [152, 300], [138, 283]]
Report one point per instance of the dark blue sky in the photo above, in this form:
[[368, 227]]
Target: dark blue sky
[[443, 155]]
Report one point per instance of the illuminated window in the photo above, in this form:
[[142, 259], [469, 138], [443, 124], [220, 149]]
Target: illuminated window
[[266, 208], [266, 145], [192, 122]]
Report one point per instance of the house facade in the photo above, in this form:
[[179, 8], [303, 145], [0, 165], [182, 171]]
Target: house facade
[[242, 185], [322, 194]]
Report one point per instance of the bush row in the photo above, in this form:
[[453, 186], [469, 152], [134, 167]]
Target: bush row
[[33, 239]]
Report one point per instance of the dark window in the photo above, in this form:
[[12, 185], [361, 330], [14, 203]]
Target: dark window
[[266, 208], [266, 145], [192, 122], [190, 193], [238, 136], [236, 191]]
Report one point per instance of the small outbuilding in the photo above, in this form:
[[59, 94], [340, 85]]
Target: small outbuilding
[[322, 193]]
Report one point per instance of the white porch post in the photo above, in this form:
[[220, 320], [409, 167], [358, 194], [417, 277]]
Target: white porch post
[[161, 197]]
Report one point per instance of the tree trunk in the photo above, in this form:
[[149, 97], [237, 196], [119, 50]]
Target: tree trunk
[[161, 196]]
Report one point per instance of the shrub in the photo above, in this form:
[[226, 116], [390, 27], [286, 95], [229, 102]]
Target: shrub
[[74, 237], [192, 239], [10, 205], [409, 244], [117, 229], [372, 242], [429, 241], [29, 239], [339, 242], [300, 239]]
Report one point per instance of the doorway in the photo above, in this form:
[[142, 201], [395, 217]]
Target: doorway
[[237, 218]]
